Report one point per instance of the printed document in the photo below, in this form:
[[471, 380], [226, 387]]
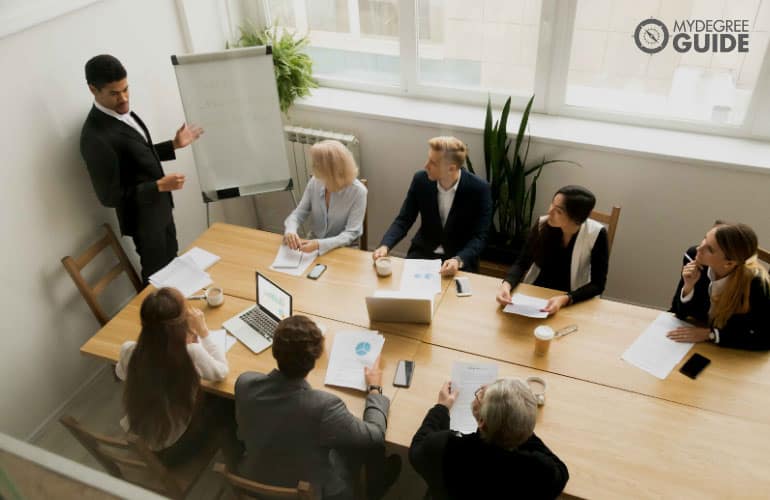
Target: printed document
[[655, 353], [182, 274], [525, 305], [351, 351], [223, 339], [293, 262], [201, 258], [421, 277], [467, 378]]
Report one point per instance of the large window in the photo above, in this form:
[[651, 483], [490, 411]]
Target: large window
[[651, 62]]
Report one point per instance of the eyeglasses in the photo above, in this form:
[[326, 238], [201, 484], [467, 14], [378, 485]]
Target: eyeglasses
[[479, 393]]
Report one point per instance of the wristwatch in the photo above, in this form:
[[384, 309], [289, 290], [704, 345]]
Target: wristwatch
[[460, 262], [377, 388]]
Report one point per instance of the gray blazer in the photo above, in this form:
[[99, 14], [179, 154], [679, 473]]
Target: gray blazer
[[289, 430]]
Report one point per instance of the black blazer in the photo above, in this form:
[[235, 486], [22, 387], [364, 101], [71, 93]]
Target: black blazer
[[463, 466], [743, 331], [467, 225], [124, 168]]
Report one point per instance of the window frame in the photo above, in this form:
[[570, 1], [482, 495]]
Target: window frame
[[557, 23]]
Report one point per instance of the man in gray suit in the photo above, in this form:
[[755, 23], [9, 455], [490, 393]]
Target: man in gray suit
[[293, 432]]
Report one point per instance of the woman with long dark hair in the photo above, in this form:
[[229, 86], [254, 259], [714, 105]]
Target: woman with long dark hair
[[565, 251], [162, 397], [724, 287]]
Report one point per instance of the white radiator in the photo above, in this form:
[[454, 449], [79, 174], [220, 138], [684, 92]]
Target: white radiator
[[300, 139]]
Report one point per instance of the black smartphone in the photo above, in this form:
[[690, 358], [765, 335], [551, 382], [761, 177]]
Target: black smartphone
[[316, 272], [404, 371], [693, 366]]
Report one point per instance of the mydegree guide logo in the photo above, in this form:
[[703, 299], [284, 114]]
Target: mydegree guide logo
[[701, 35]]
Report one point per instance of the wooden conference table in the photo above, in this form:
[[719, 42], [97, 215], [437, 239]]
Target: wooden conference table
[[621, 431]]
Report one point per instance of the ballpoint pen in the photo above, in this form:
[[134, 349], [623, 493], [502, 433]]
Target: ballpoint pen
[[566, 331]]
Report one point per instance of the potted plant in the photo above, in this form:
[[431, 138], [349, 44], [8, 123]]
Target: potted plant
[[513, 183], [293, 68]]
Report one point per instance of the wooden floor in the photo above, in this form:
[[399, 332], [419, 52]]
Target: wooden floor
[[98, 407]]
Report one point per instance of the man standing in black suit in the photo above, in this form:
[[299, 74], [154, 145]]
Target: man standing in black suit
[[125, 168], [455, 208]]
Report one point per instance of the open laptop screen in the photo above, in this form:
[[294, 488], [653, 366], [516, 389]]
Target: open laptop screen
[[272, 299]]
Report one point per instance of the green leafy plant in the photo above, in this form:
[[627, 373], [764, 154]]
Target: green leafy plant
[[293, 68], [513, 182]]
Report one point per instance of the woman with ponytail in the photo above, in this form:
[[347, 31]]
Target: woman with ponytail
[[725, 287], [162, 370]]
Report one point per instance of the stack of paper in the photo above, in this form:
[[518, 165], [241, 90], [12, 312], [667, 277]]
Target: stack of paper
[[655, 353], [293, 262], [421, 277], [221, 337], [466, 379], [525, 305], [183, 274], [351, 352], [201, 258]]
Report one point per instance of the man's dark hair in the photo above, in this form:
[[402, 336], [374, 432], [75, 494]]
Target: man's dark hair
[[297, 344], [578, 202], [104, 69]]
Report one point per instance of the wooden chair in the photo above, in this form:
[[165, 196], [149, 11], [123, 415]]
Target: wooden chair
[[763, 255], [133, 461], [245, 488], [611, 219], [74, 266], [364, 240]]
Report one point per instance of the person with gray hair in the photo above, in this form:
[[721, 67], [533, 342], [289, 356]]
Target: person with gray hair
[[503, 455]]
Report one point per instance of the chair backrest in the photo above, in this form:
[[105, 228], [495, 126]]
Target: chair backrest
[[364, 240], [75, 265], [245, 488], [117, 455], [611, 219], [763, 255]]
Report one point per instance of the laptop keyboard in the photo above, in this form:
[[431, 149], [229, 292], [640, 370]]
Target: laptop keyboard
[[260, 322]]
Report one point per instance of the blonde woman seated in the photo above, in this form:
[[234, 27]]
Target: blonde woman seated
[[163, 399], [565, 251], [724, 287], [334, 199], [502, 459]]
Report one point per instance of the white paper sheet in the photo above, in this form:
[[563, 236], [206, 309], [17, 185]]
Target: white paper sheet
[[421, 277], [182, 274], [293, 262], [352, 350], [525, 305], [467, 378], [655, 353], [224, 339], [202, 259]]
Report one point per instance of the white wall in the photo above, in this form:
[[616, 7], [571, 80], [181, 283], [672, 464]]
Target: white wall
[[49, 207]]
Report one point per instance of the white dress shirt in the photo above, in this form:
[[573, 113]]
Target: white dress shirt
[[340, 224], [715, 288], [125, 118], [445, 199]]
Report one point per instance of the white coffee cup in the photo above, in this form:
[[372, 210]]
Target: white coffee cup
[[215, 296], [383, 266], [543, 336]]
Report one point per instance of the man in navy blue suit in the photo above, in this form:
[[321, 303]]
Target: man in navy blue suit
[[455, 208]]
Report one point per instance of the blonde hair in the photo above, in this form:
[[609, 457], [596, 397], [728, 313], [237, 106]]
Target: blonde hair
[[508, 410], [453, 150], [739, 243], [333, 164]]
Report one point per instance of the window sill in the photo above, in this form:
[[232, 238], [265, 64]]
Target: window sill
[[730, 152]]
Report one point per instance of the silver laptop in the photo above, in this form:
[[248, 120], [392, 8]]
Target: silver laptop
[[255, 326], [398, 308]]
